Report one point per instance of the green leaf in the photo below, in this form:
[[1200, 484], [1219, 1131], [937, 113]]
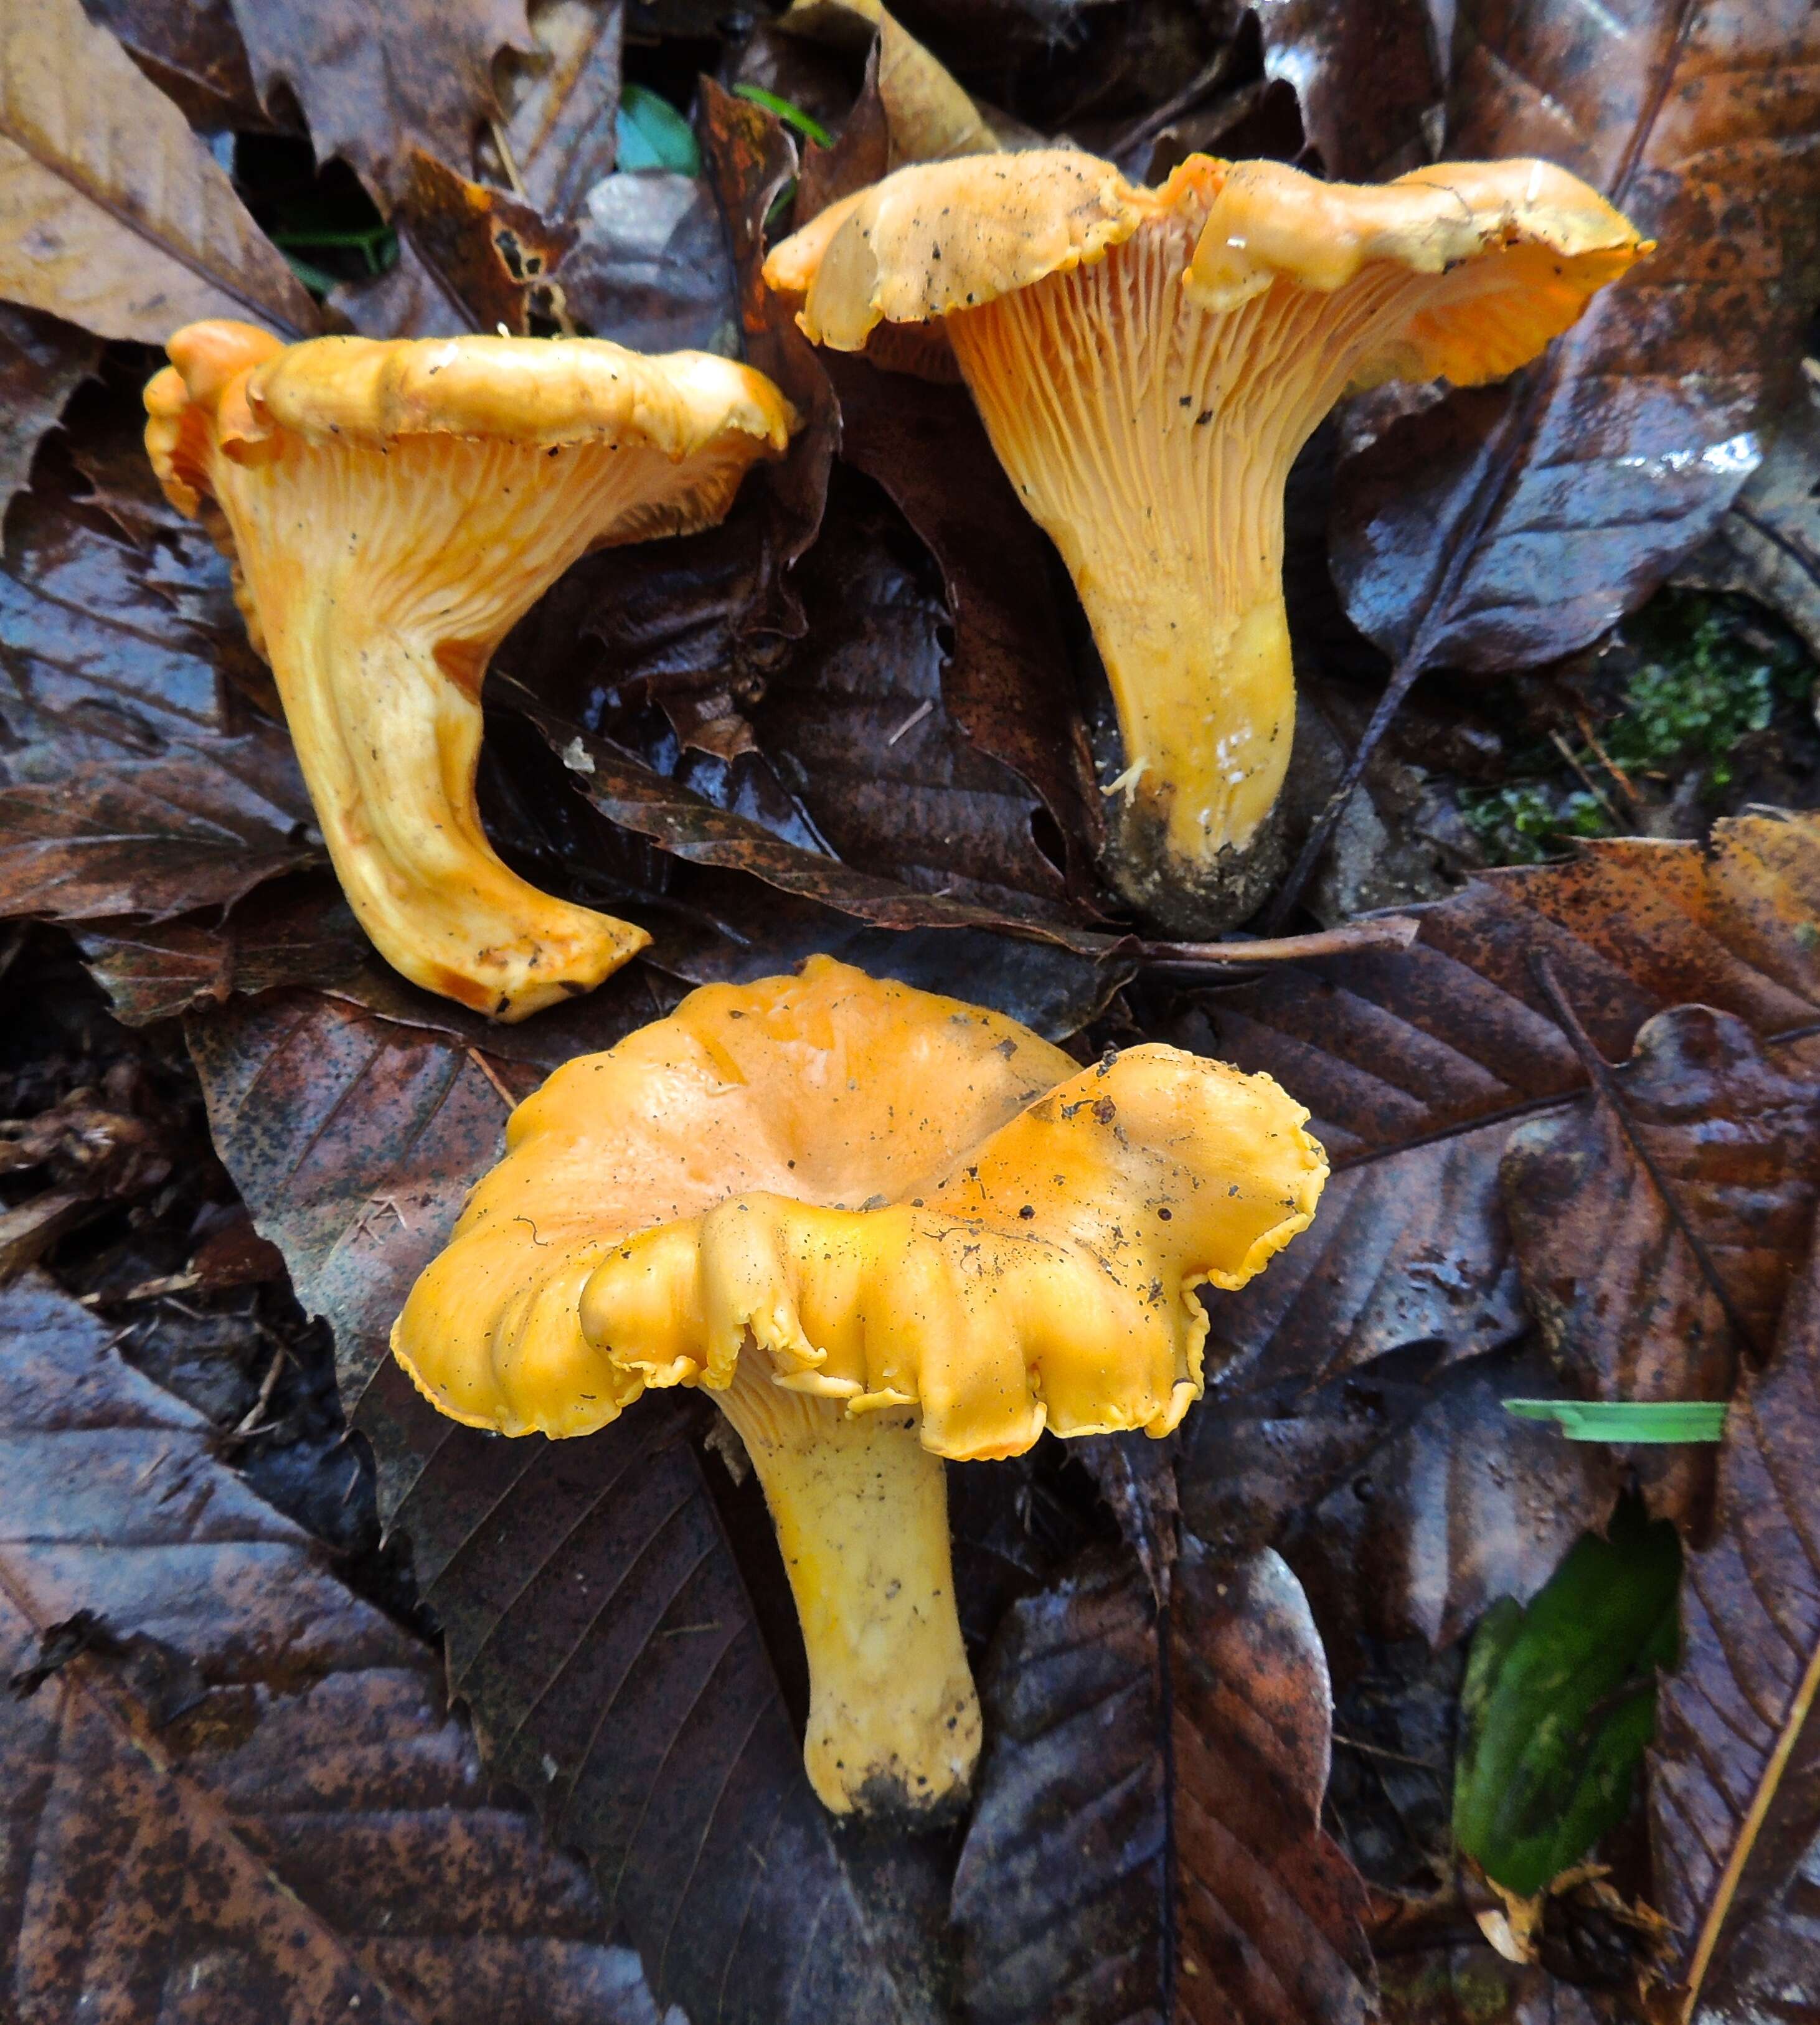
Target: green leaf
[[1559, 1703], [1627, 1420], [809, 128], [653, 134]]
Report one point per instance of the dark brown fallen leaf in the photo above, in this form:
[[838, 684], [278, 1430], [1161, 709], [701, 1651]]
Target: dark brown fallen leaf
[[860, 720], [1501, 528], [1369, 76], [1418, 1062], [1405, 1497], [1627, 1308], [191, 50], [113, 215], [1735, 1788], [560, 106], [1771, 1967], [43, 362], [1469, 1985], [1136, 1477], [1003, 681], [196, 827], [117, 646], [638, 798], [649, 267], [1084, 1890], [302, 1832], [1768, 543], [598, 1622], [372, 92]]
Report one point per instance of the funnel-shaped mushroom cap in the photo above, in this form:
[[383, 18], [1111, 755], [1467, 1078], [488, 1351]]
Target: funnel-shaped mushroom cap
[[1149, 362], [880, 1227], [392, 509]]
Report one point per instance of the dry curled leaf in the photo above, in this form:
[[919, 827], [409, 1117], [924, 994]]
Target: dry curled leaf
[[239, 1795], [113, 215]]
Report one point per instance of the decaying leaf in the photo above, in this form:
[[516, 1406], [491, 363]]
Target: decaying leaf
[[470, 258], [1735, 1784], [1083, 1892], [113, 215], [191, 50], [1500, 528], [372, 94], [1643, 1279], [1768, 543], [191, 829], [43, 362], [300, 1831], [649, 267]]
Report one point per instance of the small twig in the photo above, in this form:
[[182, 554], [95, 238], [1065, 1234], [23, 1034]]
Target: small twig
[[1605, 760], [1402, 680], [486, 1068], [1587, 780], [1605, 1083], [910, 723], [1382, 1751], [507, 163], [1207, 80], [1376, 931], [253, 1421]]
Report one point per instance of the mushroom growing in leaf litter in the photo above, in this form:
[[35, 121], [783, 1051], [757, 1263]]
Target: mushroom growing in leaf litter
[[882, 1228], [390, 510], [1148, 363]]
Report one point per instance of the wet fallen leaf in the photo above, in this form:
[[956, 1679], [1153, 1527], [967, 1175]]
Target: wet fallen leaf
[[424, 82], [1323, 50], [1408, 1503], [1082, 1891], [43, 362], [113, 215], [1629, 1307], [1768, 543], [193, 828], [1735, 1786], [649, 267], [1772, 1966], [1499, 528], [302, 1831]]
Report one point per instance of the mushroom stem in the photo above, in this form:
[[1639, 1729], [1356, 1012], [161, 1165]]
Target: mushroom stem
[[861, 1509], [1159, 477], [390, 760]]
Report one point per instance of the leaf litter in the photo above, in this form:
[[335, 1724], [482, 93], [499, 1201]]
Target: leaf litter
[[1570, 1107]]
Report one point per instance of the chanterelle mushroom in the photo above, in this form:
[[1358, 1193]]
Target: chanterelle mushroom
[[882, 1228], [390, 510], [1148, 363]]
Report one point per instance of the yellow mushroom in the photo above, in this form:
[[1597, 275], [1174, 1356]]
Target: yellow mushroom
[[1148, 363], [882, 1229], [390, 510]]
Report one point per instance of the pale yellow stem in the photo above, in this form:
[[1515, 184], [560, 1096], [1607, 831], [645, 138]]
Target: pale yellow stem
[[860, 1509]]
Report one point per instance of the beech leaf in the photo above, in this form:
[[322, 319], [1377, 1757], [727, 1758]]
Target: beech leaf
[[113, 215], [1501, 526], [301, 1831], [1735, 1784]]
